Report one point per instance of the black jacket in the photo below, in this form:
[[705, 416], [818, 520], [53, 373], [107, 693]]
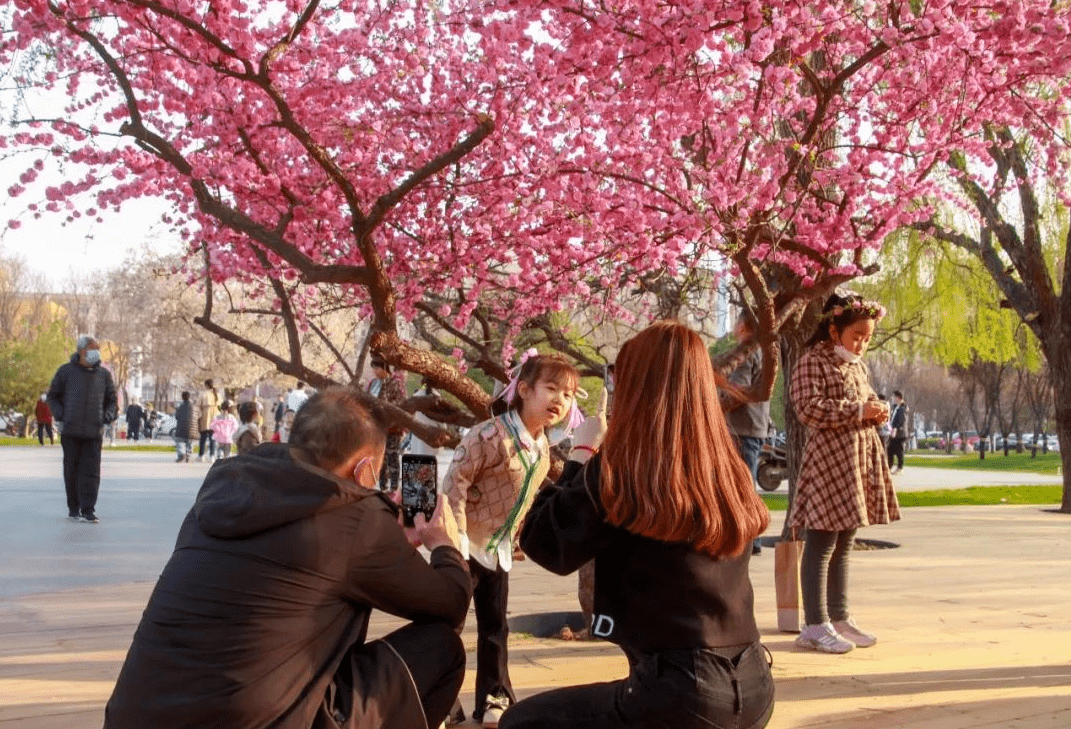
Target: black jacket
[[185, 422], [649, 595], [275, 572], [82, 398], [898, 422], [134, 416]]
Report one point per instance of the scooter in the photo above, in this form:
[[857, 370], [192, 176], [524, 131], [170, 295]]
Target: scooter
[[773, 467]]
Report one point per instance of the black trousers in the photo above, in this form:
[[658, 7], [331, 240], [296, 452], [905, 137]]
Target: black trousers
[[698, 688], [42, 428], [359, 696], [81, 472], [435, 655], [490, 593], [896, 451], [207, 436]]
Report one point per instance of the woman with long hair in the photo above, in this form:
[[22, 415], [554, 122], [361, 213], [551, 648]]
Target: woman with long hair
[[666, 508]]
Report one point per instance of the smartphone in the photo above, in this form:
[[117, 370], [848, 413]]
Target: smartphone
[[420, 480], [608, 377]]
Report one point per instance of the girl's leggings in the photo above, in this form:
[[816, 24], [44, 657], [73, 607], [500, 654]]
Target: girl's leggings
[[824, 575]]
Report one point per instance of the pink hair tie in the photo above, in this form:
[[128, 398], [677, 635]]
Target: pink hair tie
[[515, 374]]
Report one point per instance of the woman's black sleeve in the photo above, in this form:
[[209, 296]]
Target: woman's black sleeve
[[563, 527]]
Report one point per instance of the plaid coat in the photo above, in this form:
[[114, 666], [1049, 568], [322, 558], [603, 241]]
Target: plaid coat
[[844, 480], [485, 479]]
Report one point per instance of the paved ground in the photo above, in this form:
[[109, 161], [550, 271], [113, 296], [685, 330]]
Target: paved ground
[[971, 610]]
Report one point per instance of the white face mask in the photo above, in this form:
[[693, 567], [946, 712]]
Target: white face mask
[[845, 355]]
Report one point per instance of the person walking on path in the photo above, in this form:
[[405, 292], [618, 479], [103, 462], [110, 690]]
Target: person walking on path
[[297, 397], [844, 481], [278, 411], [223, 428], [185, 429], [260, 617], [208, 409], [495, 473], [748, 421], [898, 432], [43, 415], [667, 509], [134, 415], [83, 400]]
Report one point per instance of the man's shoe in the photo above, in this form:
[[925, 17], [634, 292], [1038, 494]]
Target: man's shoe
[[456, 716], [179, 459], [823, 638], [72, 516], [91, 518], [850, 631]]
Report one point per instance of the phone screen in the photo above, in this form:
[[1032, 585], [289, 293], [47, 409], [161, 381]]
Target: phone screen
[[608, 377], [419, 482]]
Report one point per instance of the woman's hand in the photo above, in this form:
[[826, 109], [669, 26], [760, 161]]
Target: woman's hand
[[588, 435], [875, 411]]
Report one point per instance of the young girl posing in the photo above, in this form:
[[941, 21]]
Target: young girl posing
[[844, 480], [496, 471]]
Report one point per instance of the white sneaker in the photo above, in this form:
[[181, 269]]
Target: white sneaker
[[492, 714], [823, 638], [850, 631]]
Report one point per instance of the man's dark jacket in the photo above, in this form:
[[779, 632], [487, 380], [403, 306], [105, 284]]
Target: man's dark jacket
[[185, 422], [275, 571], [83, 399], [134, 415]]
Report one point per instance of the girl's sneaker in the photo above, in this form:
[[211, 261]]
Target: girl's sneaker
[[848, 629], [823, 638]]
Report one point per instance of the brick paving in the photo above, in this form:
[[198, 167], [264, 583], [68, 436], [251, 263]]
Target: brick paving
[[971, 610]]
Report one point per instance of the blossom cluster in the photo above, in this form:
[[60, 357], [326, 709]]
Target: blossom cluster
[[519, 157]]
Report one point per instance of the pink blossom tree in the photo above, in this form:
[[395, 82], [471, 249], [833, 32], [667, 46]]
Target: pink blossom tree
[[517, 158]]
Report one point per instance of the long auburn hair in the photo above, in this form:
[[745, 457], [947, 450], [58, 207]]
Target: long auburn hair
[[670, 468]]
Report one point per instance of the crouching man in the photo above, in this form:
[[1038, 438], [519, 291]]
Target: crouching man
[[259, 618]]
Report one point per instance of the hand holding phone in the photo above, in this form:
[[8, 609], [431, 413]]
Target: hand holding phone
[[419, 487], [440, 530]]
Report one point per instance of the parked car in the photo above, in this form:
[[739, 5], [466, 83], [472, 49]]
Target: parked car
[[12, 422], [166, 426], [1013, 442]]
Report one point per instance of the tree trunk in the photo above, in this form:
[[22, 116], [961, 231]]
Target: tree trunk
[[1061, 385], [795, 432]]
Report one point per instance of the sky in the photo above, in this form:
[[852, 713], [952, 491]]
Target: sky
[[81, 248], [48, 246]]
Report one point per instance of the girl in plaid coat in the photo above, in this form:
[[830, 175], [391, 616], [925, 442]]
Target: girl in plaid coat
[[844, 480], [490, 485]]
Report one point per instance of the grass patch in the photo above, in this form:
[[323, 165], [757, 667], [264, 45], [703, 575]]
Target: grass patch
[[1046, 463], [972, 496]]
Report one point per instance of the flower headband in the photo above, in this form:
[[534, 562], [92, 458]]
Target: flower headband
[[575, 416], [869, 309]]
